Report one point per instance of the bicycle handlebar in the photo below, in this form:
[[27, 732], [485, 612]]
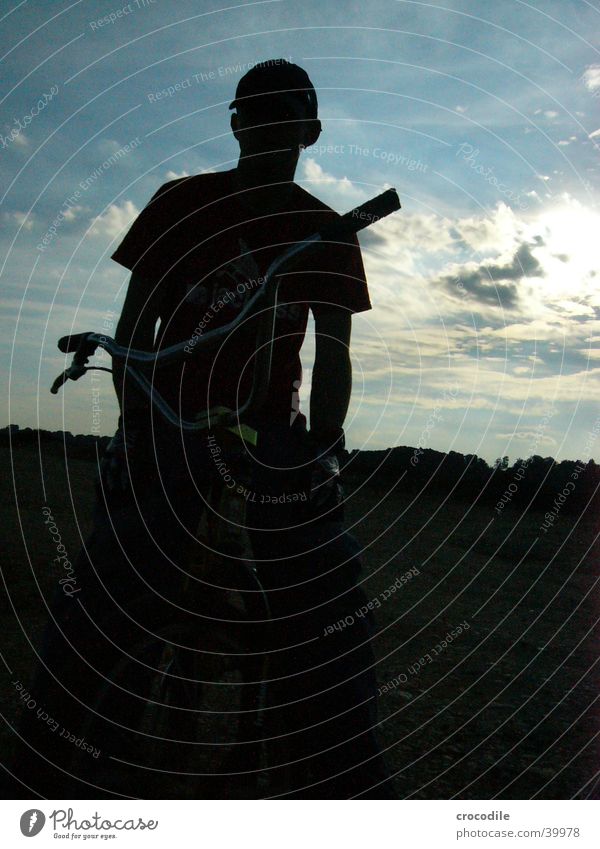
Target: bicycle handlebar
[[84, 345]]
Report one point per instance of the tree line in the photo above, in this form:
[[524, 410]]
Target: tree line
[[534, 482]]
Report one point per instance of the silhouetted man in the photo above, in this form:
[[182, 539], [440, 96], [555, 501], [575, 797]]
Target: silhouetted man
[[197, 252]]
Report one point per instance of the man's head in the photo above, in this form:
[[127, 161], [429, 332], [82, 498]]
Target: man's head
[[276, 112]]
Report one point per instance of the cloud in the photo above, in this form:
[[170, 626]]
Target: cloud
[[531, 436], [73, 212], [482, 281], [412, 232], [533, 194], [173, 175], [21, 219], [404, 253], [115, 221], [557, 332], [500, 268], [591, 78], [314, 174], [498, 232], [178, 175]]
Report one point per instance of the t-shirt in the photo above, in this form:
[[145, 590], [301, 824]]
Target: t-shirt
[[209, 250]]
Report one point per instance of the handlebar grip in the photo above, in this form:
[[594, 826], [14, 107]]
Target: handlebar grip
[[371, 211], [362, 216], [70, 344]]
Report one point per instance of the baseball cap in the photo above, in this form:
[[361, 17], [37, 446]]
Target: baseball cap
[[279, 77]]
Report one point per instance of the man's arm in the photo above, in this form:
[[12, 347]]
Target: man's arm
[[332, 374], [135, 329]]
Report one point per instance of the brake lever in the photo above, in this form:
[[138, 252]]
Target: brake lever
[[62, 378], [74, 372]]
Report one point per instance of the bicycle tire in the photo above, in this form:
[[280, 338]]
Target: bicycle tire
[[178, 712]]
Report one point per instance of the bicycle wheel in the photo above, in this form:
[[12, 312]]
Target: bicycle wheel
[[179, 713]]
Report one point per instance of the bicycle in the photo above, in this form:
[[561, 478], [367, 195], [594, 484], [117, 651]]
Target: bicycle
[[195, 690]]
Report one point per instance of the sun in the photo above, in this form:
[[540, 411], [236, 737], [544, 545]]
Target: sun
[[569, 251]]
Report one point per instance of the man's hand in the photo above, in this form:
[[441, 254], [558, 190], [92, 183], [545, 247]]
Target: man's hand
[[326, 493], [114, 470]]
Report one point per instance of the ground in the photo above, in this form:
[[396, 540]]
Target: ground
[[503, 707]]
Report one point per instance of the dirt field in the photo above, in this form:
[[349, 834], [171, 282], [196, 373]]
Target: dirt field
[[506, 707]]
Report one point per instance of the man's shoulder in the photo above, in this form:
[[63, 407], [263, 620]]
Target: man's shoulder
[[194, 186], [304, 200]]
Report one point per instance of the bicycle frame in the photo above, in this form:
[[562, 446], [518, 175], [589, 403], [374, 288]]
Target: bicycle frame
[[264, 300]]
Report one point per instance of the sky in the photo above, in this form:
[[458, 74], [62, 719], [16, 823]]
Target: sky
[[485, 328]]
